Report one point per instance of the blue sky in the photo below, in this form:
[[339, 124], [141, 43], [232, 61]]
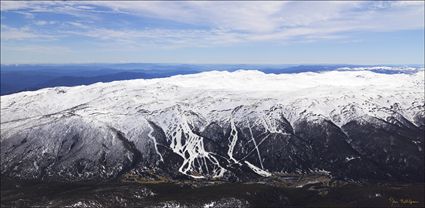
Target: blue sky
[[337, 32]]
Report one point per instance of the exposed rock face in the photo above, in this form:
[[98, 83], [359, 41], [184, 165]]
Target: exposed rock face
[[231, 126]]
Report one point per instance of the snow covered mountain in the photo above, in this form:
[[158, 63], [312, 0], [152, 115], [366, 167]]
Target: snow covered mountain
[[227, 125]]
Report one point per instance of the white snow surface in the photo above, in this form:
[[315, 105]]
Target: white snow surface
[[340, 96], [388, 68], [321, 93], [258, 170]]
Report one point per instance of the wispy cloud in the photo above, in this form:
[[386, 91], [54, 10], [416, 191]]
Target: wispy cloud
[[38, 48], [131, 25], [269, 17], [227, 22], [22, 33], [43, 22]]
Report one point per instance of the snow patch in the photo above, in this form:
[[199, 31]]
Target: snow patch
[[258, 170]]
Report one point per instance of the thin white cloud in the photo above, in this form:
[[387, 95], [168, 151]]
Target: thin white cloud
[[269, 17], [167, 38], [14, 5], [22, 33], [38, 49], [228, 22], [44, 22]]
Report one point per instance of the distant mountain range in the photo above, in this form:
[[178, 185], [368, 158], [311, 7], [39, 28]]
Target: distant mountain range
[[18, 78]]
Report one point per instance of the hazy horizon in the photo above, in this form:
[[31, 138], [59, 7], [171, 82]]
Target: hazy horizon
[[187, 63]]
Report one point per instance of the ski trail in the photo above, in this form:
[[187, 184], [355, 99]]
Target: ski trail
[[155, 143], [190, 147], [233, 138], [256, 146], [258, 170]]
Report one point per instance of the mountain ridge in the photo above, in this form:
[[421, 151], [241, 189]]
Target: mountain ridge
[[224, 125]]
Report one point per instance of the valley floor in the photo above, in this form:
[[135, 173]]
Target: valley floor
[[209, 194]]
